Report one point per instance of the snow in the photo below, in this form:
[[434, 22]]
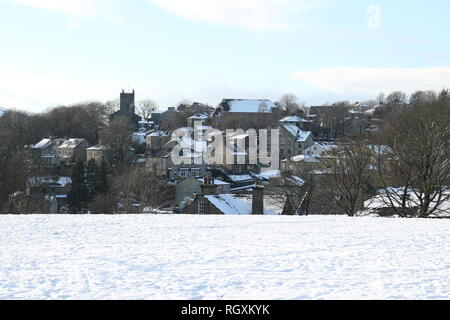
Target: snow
[[44, 143], [382, 200], [99, 148], [217, 182], [2, 111], [70, 143], [60, 182], [301, 136], [199, 116], [241, 178], [267, 174], [294, 119], [231, 204], [160, 134], [306, 159], [223, 257]]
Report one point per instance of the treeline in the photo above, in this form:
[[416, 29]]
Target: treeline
[[403, 170], [84, 120], [130, 189]]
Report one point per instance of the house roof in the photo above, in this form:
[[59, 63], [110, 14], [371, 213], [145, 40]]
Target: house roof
[[160, 134], [216, 182], [99, 148], [326, 147], [199, 116], [240, 178], [247, 105], [294, 119], [295, 131], [58, 182], [71, 143], [230, 204], [306, 159], [44, 143]]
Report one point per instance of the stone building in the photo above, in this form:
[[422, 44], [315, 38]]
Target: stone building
[[46, 151], [100, 154], [157, 141], [188, 188], [72, 150], [127, 110], [293, 140], [209, 202]]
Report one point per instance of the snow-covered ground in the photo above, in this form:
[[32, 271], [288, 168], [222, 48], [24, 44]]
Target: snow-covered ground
[[223, 257]]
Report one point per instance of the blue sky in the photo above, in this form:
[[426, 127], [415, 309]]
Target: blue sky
[[63, 51]]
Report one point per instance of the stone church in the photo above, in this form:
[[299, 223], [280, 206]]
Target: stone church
[[127, 109]]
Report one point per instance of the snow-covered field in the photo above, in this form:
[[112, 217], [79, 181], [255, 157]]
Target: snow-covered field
[[223, 257]]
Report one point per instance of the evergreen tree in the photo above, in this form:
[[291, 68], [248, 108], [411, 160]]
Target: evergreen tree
[[92, 178], [103, 182], [79, 193]]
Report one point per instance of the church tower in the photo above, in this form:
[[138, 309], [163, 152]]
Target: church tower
[[127, 109], [127, 102]]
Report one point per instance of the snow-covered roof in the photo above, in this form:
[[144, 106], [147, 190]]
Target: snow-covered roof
[[241, 178], [99, 148], [59, 182], [217, 182], [382, 200], [199, 116], [293, 119], [44, 143], [230, 204], [324, 147], [300, 135], [303, 158], [269, 174], [160, 134], [70, 143], [248, 105]]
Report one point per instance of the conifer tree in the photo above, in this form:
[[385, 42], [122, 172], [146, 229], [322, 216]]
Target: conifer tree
[[79, 193]]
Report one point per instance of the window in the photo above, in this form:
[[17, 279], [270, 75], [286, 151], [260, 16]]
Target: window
[[195, 172], [184, 172], [202, 207]]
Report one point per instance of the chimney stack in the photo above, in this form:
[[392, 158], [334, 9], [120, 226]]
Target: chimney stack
[[258, 200], [208, 187]]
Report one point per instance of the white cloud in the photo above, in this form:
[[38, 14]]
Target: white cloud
[[351, 81], [77, 9], [251, 14]]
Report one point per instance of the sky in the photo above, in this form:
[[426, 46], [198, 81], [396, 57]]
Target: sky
[[55, 52]]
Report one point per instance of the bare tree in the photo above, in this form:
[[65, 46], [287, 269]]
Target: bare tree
[[381, 98], [422, 97], [348, 177], [289, 103], [139, 191], [419, 165], [118, 136], [146, 107], [397, 98], [334, 118], [173, 121]]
